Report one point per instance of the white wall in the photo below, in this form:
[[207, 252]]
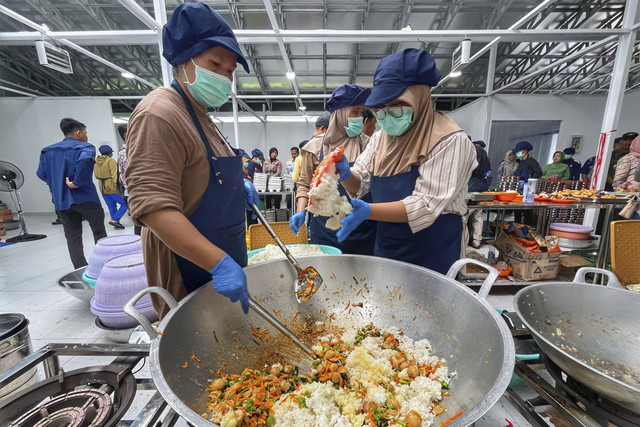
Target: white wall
[[282, 135], [579, 115], [28, 125]]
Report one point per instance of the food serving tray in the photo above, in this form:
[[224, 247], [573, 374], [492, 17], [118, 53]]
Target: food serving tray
[[601, 200]]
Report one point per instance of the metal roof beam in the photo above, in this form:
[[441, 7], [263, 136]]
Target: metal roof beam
[[147, 37]]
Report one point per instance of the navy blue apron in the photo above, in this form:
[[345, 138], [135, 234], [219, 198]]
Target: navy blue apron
[[436, 247], [360, 242], [220, 214]]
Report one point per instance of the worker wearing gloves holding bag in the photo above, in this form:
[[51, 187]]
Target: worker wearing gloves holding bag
[[346, 126], [417, 168], [185, 182]]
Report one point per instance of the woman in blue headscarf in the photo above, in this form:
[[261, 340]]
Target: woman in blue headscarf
[[417, 168], [346, 126]]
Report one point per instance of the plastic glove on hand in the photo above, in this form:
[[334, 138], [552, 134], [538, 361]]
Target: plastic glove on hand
[[361, 212], [343, 169], [296, 221], [229, 280], [252, 196]]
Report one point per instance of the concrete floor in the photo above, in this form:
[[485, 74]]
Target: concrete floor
[[28, 275]]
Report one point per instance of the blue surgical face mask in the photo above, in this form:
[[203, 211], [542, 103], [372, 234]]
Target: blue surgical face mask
[[520, 154], [567, 156], [356, 126], [245, 165], [209, 89], [259, 161], [396, 126]]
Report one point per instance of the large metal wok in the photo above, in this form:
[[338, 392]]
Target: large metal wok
[[591, 332], [459, 323]]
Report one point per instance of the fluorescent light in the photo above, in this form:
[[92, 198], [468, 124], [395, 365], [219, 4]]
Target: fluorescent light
[[127, 75], [456, 73], [291, 75], [302, 108], [119, 120]]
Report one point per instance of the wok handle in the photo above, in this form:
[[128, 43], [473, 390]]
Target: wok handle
[[488, 282], [131, 310], [613, 281]]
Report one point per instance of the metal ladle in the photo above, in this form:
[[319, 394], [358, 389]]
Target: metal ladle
[[306, 276]]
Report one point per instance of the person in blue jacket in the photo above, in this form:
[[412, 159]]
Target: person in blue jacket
[[529, 167], [574, 166], [67, 168]]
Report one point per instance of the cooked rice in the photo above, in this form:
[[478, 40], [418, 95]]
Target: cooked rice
[[272, 252], [327, 201]]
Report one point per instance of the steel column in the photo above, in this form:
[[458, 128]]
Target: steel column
[[160, 12], [234, 103], [491, 72]]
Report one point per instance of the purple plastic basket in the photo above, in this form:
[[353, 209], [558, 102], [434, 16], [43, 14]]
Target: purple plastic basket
[[111, 247], [121, 278], [120, 319], [143, 303]]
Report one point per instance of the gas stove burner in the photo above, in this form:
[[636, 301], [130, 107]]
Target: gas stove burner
[[79, 408], [599, 408], [94, 396]]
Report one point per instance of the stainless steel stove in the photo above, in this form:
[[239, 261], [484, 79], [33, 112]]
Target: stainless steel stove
[[93, 396]]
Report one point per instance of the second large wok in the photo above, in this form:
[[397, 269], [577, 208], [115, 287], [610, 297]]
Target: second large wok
[[357, 290], [592, 332]]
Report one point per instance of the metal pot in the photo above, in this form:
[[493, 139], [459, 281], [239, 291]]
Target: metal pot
[[15, 345], [459, 323], [76, 286], [591, 332]]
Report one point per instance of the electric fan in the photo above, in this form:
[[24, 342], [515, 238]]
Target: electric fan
[[11, 179]]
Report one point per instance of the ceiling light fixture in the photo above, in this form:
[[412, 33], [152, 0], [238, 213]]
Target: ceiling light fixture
[[456, 73], [127, 75], [291, 75], [302, 108]]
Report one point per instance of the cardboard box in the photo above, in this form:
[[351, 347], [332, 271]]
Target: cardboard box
[[5, 212], [526, 265]]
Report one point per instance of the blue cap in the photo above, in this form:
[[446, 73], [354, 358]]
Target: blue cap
[[194, 28], [257, 153], [480, 143], [396, 72], [346, 96], [105, 149], [244, 154], [570, 150], [523, 145], [323, 121]]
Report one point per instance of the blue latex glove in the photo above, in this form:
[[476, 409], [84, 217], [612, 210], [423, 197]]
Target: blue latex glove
[[252, 196], [296, 221], [361, 212], [229, 280], [343, 169]]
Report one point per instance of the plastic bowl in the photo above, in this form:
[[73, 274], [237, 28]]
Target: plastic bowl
[[121, 278], [505, 197], [571, 231], [326, 249], [111, 247], [119, 319], [91, 282], [518, 198]]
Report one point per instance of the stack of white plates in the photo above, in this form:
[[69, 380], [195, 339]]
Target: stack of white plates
[[282, 215], [275, 184], [270, 215], [260, 181], [288, 183]]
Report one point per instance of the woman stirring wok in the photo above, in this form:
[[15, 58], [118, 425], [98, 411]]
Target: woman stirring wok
[[417, 168]]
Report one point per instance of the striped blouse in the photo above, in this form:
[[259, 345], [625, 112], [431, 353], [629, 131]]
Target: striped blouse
[[441, 186]]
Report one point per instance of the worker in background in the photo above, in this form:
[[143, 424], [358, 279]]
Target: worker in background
[[295, 152], [618, 152], [123, 162], [310, 150], [528, 167], [557, 169], [508, 166], [574, 166], [369, 122], [106, 172], [417, 168], [297, 164], [257, 159], [185, 181], [587, 170], [246, 161], [477, 184], [346, 126], [67, 168]]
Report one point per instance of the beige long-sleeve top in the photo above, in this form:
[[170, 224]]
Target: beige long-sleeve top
[[310, 154], [168, 168], [441, 186]]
